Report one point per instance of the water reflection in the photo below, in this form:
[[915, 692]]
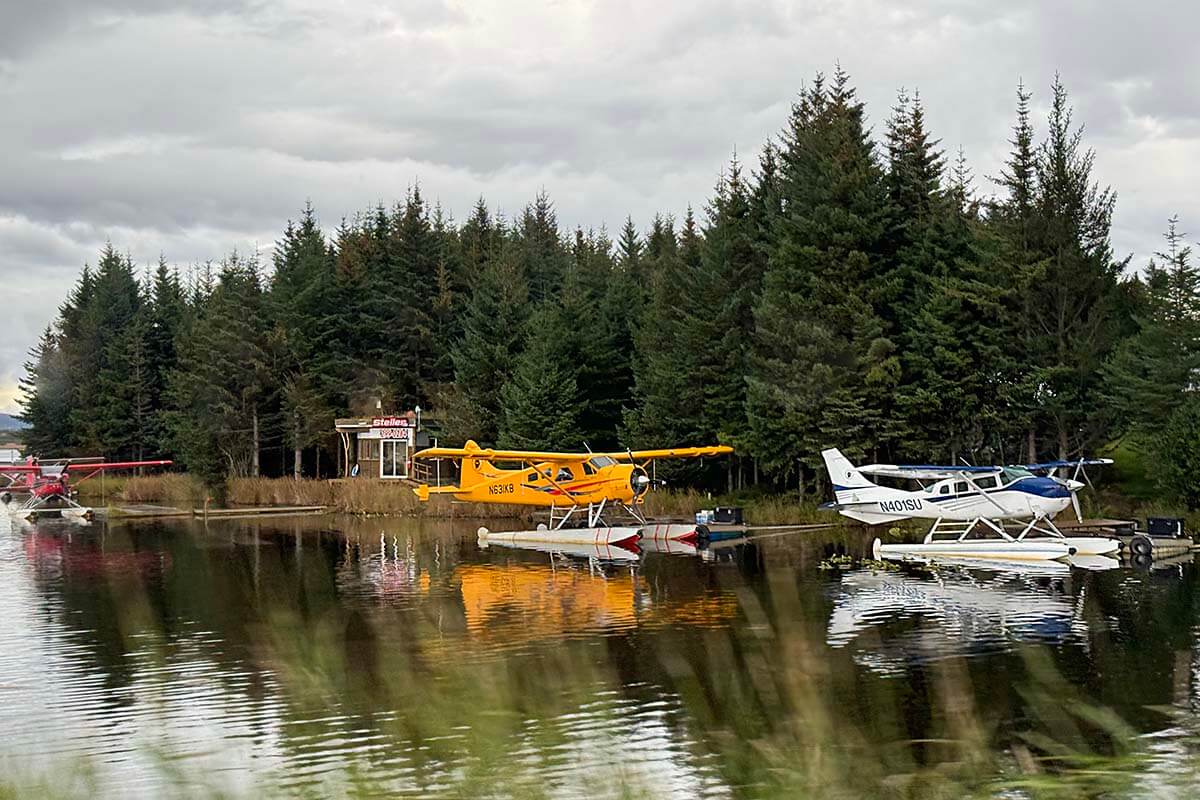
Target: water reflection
[[388, 657], [951, 611]]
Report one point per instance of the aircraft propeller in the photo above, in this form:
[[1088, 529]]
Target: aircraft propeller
[[1073, 485]]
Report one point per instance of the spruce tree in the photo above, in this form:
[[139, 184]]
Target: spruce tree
[[540, 244], [540, 404], [222, 382], [493, 337], [719, 312], [1150, 374], [667, 404], [1072, 290], [45, 397], [822, 361]]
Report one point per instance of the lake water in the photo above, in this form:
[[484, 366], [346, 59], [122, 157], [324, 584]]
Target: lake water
[[333, 657]]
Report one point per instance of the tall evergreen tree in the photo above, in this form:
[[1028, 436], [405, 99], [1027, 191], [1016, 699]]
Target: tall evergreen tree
[[493, 337], [1150, 374], [541, 247], [1072, 288], [540, 404], [222, 382], [822, 360], [45, 397]]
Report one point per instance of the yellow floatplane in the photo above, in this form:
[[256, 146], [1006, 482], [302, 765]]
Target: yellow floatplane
[[567, 484]]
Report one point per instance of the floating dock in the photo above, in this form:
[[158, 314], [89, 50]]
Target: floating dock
[[169, 512]]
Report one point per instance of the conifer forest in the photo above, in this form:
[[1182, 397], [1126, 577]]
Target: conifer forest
[[848, 285]]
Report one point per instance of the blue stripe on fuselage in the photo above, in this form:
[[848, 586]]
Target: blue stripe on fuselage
[[1042, 487]]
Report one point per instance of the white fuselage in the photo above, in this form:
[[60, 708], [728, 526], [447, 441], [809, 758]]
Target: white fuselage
[[1001, 496]]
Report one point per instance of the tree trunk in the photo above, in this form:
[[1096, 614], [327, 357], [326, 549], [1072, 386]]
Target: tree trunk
[[800, 482], [254, 462], [729, 476], [754, 467], [1032, 456], [1062, 443], [296, 451]]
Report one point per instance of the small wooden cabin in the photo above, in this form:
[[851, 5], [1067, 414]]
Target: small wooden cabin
[[381, 446]]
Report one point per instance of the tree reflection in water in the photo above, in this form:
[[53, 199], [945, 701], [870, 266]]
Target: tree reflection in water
[[324, 657]]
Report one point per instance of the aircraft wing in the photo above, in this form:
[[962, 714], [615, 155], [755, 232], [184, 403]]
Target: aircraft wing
[[491, 454], [105, 465], [926, 472], [670, 452], [1087, 462], [20, 468]]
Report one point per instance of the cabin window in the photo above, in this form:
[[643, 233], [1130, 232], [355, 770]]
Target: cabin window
[[533, 477], [945, 489], [960, 487], [588, 469], [986, 482], [564, 474], [368, 449]]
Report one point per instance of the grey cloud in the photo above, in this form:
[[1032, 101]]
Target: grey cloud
[[27, 25], [193, 131]]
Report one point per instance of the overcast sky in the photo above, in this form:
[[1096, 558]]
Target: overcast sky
[[201, 129]]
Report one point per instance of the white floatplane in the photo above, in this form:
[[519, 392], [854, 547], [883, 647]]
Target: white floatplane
[[984, 511]]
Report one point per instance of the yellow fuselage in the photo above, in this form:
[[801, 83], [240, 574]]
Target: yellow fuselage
[[547, 484]]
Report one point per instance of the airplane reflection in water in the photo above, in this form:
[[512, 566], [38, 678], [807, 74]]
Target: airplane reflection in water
[[976, 609], [579, 589]]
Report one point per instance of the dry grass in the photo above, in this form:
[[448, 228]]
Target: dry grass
[[368, 496], [358, 496], [177, 489]]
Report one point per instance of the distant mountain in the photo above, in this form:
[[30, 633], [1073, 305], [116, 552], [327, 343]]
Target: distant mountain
[[10, 423]]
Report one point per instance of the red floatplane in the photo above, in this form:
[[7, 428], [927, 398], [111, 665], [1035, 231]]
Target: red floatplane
[[36, 488]]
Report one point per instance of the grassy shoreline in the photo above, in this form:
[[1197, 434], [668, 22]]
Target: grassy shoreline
[[366, 496], [377, 497]]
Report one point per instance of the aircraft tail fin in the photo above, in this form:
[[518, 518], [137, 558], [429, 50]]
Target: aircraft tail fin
[[842, 473]]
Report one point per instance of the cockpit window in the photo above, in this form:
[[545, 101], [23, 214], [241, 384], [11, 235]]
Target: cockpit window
[[1010, 474], [588, 469], [600, 462]]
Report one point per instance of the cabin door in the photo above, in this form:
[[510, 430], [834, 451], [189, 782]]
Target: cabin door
[[391, 458]]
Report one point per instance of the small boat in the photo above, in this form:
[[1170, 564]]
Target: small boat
[[587, 536], [1011, 550]]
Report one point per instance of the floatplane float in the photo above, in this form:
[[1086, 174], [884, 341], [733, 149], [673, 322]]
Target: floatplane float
[[590, 551], [581, 491], [1001, 512], [36, 489]]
